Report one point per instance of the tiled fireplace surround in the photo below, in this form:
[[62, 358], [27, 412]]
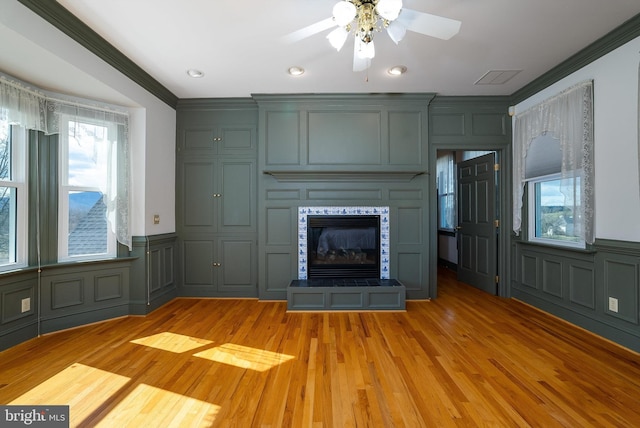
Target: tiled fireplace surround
[[304, 212]]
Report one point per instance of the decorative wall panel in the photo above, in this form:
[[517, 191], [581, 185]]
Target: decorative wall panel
[[582, 285], [405, 138], [65, 293], [108, 287], [12, 303], [552, 277], [489, 124], [621, 283], [282, 138], [448, 124], [279, 268], [279, 226], [340, 137]]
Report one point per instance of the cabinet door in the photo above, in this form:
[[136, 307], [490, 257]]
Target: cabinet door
[[236, 272], [198, 263], [236, 140], [218, 139], [196, 209], [197, 139], [237, 201]]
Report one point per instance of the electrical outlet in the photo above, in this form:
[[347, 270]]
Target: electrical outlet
[[26, 304], [613, 304]]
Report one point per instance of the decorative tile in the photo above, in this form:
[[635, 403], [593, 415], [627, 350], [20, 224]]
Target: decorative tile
[[382, 212]]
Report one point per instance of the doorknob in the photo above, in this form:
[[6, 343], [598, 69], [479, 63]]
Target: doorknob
[[458, 227]]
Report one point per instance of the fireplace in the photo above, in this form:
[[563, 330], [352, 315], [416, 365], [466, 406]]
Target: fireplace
[[343, 246], [343, 261], [343, 242]]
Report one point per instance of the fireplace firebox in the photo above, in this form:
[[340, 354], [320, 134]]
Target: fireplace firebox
[[343, 246]]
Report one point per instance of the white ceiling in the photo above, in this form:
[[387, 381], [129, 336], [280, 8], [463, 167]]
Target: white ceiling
[[239, 47]]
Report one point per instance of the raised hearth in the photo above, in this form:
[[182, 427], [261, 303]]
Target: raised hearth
[[341, 294]]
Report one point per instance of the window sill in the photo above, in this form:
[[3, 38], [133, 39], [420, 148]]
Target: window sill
[[574, 249], [28, 269]]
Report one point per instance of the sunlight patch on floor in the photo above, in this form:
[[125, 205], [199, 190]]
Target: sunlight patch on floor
[[165, 408], [83, 388], [244, 357], [172, 342]]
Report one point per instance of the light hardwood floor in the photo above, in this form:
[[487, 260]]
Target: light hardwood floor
[[464, 359]]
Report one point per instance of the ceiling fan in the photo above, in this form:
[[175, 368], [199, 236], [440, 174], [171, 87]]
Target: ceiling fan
[[365, 17]]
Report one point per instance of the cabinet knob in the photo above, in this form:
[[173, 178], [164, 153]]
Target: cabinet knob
[[216, 264], [217, 195]]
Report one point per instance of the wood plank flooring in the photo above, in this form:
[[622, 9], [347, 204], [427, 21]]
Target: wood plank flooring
[[464, 359]]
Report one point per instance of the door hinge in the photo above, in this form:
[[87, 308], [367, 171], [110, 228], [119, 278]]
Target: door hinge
[[497, 279], [496, 167], [496, 223]]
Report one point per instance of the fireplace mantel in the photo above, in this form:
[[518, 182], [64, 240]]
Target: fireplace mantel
[[320, 175]]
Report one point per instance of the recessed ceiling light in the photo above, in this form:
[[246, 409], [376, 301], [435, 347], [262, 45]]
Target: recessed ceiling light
[[192, 72], [397, 70], [296, 71]]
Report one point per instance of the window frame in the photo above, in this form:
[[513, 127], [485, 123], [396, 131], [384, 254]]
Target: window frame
[[65, 189], [442, 196], [532, 210], [20, 205]]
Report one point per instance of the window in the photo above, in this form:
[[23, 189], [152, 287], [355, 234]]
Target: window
[[554, 210], [13, 196], [87, 155], [445, 169], [556, 137]]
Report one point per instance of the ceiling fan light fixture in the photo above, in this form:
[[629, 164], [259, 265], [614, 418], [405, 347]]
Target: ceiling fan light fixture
[[344, 12], [389, 9], [397, 70], [295, 71], [338, 37]]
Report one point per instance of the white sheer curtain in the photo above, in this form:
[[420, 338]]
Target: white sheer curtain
[[32, 109], [568, 116]]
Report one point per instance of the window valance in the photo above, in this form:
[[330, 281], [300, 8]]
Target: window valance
[[32, 109], [568, 117]]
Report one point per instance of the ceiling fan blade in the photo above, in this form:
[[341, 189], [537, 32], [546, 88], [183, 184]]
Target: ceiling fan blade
[[428, 24], [359, 63], [309, 30]]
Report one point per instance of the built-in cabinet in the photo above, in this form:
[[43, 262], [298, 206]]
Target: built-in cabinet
[[216, 193]]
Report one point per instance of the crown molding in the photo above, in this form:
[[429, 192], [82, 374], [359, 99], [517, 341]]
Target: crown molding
[[216, 103], [612, 40], [65, 21]]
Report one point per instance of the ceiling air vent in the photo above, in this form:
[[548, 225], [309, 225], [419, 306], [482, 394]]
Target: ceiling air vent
[[496, 77]]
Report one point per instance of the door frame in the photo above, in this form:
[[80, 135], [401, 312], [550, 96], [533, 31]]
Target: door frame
[[504, 212]]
